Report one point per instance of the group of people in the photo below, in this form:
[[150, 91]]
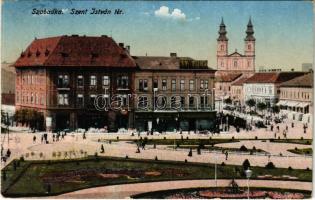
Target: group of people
[[5, 155]]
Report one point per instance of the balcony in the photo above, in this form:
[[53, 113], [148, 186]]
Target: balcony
[[63, 86]]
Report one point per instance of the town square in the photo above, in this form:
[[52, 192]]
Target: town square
[[102, 112]]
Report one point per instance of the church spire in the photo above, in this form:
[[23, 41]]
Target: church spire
[[222, 32], [250, 31]]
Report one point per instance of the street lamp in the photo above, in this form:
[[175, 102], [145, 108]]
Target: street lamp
[[248, 173]]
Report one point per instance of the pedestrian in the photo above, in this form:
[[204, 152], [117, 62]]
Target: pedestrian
[[8, 153], [286, 128], [271, 128], [41, 139], [53, 137], [1, 150], [226, 155], [292, 125], [275, 135], [34, 139]]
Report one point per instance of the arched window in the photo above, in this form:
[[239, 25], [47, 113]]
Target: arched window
[[222, 47], [249, 47], [235, 63]]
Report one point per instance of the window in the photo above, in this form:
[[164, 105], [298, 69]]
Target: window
[[143, 85], [42, 100], [191, 85], [80, 100], [105, 80], [63, 81], [182, 85], [222, 47], [173, 102], [173, 85], [155, 83], [164, 84], [201, 84], [191, 102], [17, 97], [63, 99], [32, 98], [182, 102], [36, 99], [93, 80], [80, 81], [140, 85], [235, 63], [122, 82], [143, 102], [206, 84], [92, 99], [249, 47]]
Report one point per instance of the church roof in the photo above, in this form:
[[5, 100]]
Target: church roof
[[236, 54], [75, 51]]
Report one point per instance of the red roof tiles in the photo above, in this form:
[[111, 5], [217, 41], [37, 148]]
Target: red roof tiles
[[75, 51], [273, 77], [228, 77]]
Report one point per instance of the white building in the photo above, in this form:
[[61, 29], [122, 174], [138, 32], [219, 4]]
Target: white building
[[264, 87]]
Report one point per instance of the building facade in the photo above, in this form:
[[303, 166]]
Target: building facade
[[61, 77], [173, 93], [265, 87], [296, 98]]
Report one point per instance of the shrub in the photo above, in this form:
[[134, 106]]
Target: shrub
[[222, 164], [22, 158], [278, 137], [190, 152], [254, 148], [243, 148], [4, 175], [164, 138], [187, 138], [95, 154], [280, 154], [251, 152], [232, 137], [126, 157], [270, 165], [117, 137], [295, 148], [307, 169], [246, 164], [41, 154], [308, 142], [210, 138], [186, 161], [256, 138], [290, 168], [302, 138], [156, 158]]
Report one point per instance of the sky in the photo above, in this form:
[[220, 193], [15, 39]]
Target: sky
[[283, 29]]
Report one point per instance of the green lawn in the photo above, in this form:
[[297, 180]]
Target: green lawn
[[306, 151], [207, 147], [293, 141], [183, 141], [65, 176]]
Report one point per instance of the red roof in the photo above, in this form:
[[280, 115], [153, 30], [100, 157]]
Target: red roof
[[273, 77], [75, 51], [227, 77], [240, 81]]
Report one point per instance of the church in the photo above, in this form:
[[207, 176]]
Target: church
[[233, 66]]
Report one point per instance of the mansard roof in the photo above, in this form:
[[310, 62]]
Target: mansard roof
[[75, 51]]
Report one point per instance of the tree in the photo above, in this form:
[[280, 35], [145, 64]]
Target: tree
[[261, 106], [275, 109], [228, 101], [250, 102], [246, 164]]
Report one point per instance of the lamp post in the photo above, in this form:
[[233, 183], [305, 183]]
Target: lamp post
[[215, 170], [213, 99], [248, 173]]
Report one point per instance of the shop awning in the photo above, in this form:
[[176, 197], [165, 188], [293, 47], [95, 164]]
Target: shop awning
[[302, 105], [282, 103], [292, 104]]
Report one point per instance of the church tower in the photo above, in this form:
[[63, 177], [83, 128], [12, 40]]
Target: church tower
[[250, 40], [250, 46], [222, 46]]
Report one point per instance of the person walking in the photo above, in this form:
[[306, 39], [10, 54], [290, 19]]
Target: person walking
[[34, 139], [226, 155]]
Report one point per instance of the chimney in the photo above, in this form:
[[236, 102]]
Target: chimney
[[128, 49], [173, 55], [121, 45]]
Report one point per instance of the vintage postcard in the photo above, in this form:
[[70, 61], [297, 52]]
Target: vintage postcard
[[157, 99]]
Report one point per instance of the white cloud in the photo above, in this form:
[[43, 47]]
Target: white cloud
[[164, 12]]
